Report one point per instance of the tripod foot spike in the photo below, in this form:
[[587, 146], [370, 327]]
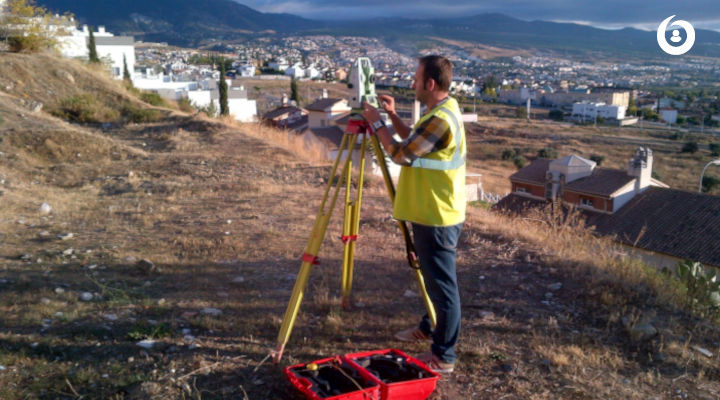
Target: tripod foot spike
[[277, 353]]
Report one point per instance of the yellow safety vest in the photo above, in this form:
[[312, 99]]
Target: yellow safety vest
[[431, 191]]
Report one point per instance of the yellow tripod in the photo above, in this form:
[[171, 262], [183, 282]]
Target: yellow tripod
[[357, 127]]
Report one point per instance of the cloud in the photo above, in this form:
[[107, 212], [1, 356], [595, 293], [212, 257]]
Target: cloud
[[615, 13]]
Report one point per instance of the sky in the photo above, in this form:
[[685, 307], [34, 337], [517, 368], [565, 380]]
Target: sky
[[611, 14]]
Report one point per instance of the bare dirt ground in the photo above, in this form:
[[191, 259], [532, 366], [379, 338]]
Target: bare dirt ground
[[222, 212]]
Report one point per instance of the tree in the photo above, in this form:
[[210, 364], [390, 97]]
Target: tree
[[556, 115], [490, 85], [26, 27], [126, 72], [92, 50], [709, 182], [521, 112], [632, 108], [294, 96], [597, 158], [223, 88], [547, 152]]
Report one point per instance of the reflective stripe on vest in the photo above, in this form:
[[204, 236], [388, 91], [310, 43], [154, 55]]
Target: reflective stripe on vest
[[441, 165]]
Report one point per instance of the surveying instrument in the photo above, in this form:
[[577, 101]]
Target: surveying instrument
[[362, 83]]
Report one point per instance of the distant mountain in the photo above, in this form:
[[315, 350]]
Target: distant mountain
[[198, 22]]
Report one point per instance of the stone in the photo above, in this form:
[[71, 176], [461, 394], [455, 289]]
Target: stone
[[35, 106], [548, 295], [641, 332], [144, 390], [45, 208], [58, 314], [555, 286], [130, 259], [238, 279], [59, 290], [486, 314], [110, 317], [211, 311], [43, 234], [410, 293], [45, 300], [146, 344], [68, 252], [145, 266], [86, 296], [65, 75], [189, 338], [66, 236]]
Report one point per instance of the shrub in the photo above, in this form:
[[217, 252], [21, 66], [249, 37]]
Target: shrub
[[656, 175], [597, 158], [84, 108], [547, 152], [714, 149], [703, 287], [520, 162], [508, 154], [709, 182], [690, 147], [185, 105], [521, 112], [556, 115], [153, 99], [142, 115]]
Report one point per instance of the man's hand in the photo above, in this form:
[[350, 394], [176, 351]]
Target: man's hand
[[387, 103], [370, 113]]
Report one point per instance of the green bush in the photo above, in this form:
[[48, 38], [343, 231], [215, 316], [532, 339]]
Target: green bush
[[521, 112], [547, 152], [185, 105], [656, 175], [508, 154], [703, 287], [84, 108], [690, 147], [714, 149], [597, 158], [142, 115], [153, 99], [520, 162], [709, 182], [556, 115]]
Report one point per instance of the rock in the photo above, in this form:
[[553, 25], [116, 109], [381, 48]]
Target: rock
[[238, 279], [45, 300], [66, 236], [146, 344], [229, 221], [58, 314], [35, 106], [486, 314], [211, 311], [68, 252], [65, 75], [92, 266], [145, 266], [59, 290], [110, 317], [86, 296], [45, 208], [548, 295], [555, 286], [2, 368], [130, 259], [43, 234], [641, 332], [410, 293], [144, 390], [185, 331], [189, 338], [193, 346]]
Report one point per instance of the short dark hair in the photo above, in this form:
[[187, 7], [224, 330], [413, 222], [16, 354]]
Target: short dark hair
[[439, 69]]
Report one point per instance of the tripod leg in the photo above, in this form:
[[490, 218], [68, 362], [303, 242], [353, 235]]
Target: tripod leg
[[353, 227], [412, 258], [347, 227], [309, 257]]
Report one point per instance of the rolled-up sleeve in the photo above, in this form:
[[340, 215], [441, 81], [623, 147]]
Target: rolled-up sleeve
[[432, 135]]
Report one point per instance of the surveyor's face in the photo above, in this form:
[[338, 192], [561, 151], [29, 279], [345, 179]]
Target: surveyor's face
[[419, 84]]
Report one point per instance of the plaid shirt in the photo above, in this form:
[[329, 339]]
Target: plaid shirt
[[432, 135]]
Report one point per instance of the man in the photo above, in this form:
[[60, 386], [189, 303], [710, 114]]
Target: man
[[431, 196]]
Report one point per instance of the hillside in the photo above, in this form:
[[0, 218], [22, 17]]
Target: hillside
[[192, 23], [222, 211]]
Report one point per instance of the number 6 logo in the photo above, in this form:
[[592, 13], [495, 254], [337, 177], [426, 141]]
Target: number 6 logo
[[676, 50]]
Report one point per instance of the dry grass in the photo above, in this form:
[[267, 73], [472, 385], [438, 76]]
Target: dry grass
[[214, 201]]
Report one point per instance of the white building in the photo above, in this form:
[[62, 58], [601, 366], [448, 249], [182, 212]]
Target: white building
[[280, 64], [588, 111], [669, 115], [115, 50], [246, 70], [295, 71]]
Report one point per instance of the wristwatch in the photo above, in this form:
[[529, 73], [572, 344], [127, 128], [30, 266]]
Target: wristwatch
[[378, 124]]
